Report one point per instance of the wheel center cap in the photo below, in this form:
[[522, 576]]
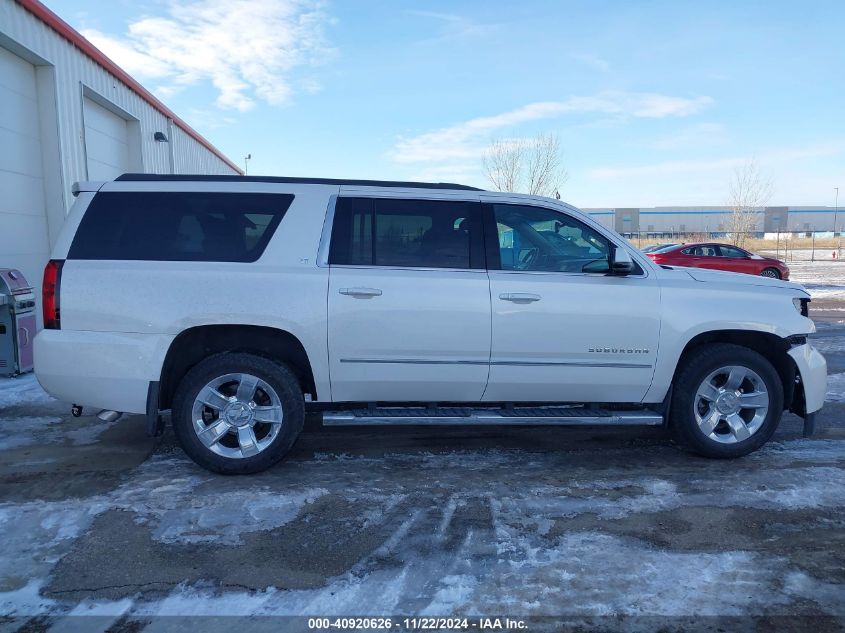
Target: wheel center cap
[[727, 402], [238, 413]]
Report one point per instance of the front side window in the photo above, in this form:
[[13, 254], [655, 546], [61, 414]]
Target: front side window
[[536, 239], [407, 233], [178, 226]]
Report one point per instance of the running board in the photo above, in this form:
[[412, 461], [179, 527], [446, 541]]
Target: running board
[[465, 416]]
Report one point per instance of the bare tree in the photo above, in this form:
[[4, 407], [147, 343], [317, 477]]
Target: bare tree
[[531, 166], [748, 193], [502, 164]]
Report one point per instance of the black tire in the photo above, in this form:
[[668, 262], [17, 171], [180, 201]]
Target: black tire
[[276, 375], [697, 365], [772, 273]]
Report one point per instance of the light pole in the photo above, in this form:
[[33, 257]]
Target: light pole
[[246, 163], [835, 213]]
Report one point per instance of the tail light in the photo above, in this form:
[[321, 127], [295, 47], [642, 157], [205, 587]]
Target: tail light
[[50, 294]]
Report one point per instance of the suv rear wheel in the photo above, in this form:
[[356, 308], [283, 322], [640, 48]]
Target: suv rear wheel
[[237, 413], [727, 401]]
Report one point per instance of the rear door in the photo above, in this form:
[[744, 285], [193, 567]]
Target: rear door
[[409, 300], [702, 256]]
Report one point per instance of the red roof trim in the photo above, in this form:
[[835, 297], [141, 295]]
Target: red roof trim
[[74, 37]]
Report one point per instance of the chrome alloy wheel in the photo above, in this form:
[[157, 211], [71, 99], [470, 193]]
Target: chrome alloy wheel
[[770, 273], [237, 415], [731, 404]]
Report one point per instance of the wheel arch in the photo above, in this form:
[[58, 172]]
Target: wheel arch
[[198, 343], [771, 346]]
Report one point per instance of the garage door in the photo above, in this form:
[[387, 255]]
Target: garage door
[[24, 242], [106, 144]]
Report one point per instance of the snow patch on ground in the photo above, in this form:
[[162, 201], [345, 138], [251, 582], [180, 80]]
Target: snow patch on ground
[[23, 390], [828, 344], [836, 388], [21, 430], [442, 557], [532, 579], [812, 450], [823, 280], [26, 600], [27, 431], [177, 509]]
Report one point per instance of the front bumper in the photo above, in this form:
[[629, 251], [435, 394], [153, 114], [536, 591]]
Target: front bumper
[[812, 368]]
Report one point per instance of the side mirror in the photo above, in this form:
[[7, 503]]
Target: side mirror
[[621, 262]]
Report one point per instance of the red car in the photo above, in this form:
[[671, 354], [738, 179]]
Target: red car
[[720, 257]]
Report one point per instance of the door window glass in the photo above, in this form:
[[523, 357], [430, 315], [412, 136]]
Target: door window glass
[[407, 233], [701, 251], [179, 226], [536, 239], [730, 251]]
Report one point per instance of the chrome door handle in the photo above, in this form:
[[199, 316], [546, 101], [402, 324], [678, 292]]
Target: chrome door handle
[[361, 292], [519, 297]]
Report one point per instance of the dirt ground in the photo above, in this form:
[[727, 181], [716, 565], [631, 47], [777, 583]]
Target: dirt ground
[[607, 528]]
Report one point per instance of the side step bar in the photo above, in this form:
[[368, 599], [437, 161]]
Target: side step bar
[[525, 416]]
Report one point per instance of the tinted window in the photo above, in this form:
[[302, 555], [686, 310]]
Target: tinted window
[[407, 233], [731, 251], [536, 239], [222, 227], [701, 251]]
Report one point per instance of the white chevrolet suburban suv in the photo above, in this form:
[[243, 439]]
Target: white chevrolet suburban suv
[[241, 303]]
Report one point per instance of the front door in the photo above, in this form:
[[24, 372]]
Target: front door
[[409, 301], [563, 329], [735, 260]]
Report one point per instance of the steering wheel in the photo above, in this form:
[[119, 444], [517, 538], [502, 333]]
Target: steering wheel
[[528, 258]]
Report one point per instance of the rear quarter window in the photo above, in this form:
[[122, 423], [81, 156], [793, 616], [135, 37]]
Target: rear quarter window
[[165, 226]]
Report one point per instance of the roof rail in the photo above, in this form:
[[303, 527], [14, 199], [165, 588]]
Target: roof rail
[[291, 180]]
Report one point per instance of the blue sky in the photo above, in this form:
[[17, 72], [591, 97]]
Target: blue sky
[[655, 103]]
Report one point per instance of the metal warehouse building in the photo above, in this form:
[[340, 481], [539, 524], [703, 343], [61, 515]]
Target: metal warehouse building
[[68, 113], [661, 220]]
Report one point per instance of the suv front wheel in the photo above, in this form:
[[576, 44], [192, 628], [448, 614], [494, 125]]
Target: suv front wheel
[[236, 413], [727, 401]]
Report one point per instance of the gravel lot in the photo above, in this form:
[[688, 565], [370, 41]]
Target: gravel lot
[[100, 520]]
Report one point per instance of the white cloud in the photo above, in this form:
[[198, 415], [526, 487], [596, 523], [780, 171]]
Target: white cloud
[[466, 173], [468, 139], [453, 26], [772, 157], [692, 137], [247, 49], [593, 61], [802, 174]]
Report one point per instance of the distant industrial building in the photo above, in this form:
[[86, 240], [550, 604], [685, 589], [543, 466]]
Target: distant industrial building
[[663, 220], [68, 113]]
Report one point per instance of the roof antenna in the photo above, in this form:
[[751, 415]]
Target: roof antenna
[[557, 194]]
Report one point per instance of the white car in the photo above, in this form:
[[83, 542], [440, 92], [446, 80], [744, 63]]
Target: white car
[[241, 303]]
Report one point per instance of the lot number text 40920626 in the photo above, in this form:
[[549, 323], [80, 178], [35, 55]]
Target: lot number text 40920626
[[418, 624]]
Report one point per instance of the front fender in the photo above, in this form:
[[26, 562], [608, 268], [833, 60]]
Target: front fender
[[812, 368]]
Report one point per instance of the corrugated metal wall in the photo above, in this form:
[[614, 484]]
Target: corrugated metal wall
[[73, 73], [65, 77], [715, 219]]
